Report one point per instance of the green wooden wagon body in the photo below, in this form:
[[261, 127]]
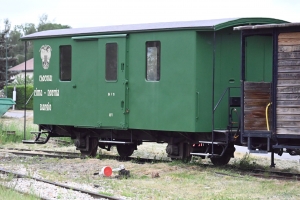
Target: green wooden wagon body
[[132, 83]]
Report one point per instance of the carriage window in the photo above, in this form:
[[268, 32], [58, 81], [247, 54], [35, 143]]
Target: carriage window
[[111, 61], [153, 61], [65, 63]]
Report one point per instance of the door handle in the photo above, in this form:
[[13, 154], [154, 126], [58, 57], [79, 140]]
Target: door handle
[[197, 99]]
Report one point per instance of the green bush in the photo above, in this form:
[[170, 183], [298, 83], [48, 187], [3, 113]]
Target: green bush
[[21, 96]]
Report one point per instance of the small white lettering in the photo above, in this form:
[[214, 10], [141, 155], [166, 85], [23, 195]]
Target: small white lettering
[[111, 94], [45, 107], [53, 92], [37, 92], [45, 78]]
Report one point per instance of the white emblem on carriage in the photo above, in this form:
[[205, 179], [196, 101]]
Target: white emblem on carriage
[[45, 51]]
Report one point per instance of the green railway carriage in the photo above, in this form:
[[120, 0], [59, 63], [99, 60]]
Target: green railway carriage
[[175, 82]]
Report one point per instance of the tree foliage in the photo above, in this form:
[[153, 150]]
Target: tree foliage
[[7, 58], [26, 29], [10, 40], [20, 80], [45, 24]]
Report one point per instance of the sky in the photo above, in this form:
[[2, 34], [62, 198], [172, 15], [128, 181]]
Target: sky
[[90, 13]]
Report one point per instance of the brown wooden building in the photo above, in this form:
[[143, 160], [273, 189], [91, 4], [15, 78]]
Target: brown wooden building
[[270, 107]]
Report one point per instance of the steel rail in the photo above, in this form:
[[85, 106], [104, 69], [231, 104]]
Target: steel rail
[[93, 194], [58, 154], [46, 155], [260, 175], [46, 151], [240, 172], [267, 173], [275, 177]]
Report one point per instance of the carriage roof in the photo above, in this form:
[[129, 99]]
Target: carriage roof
[[200, 25]]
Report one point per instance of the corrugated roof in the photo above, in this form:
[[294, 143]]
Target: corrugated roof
[[215, 24], [21, 66]]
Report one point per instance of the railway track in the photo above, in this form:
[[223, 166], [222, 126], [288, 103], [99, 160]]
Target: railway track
[[265, 175], [92, 194], [260, 173], [72, 155], [268, 174], [275, 174], [42, 153]]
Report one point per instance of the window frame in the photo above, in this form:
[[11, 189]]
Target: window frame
[[62, 62], [156, 44], [115, 68]]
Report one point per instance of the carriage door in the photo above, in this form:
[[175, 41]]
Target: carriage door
[[113, 82], [258, 83]]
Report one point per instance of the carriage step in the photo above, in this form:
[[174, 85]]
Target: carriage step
[[204, 154], [38, 132], [28, 141], [258, 151], [33, 142], [281, 146], [220, 131], [114, 142], [210, 142]]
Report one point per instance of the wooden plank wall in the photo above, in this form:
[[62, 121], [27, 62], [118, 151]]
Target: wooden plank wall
[[257, 95], [288, 84]]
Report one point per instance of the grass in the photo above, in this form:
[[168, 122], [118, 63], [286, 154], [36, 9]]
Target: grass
[[186, 181], [177, 180], [246, 162], [7, 193], [107, 194], [16, 126]]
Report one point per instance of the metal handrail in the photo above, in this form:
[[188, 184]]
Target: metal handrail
[[221, 98], [29, 99], [216, 106], [225, 91], [213, 124]]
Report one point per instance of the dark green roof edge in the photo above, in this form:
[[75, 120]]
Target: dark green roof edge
[[249, 21]]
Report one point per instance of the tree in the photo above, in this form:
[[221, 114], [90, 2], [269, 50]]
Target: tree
[[45, 25], [18, 46], [12, 49], [20, 80], [26, 29], [6, 56]]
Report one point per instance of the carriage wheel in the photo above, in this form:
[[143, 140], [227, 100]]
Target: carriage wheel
[[125, 150], [222, 160], [93, 147]]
